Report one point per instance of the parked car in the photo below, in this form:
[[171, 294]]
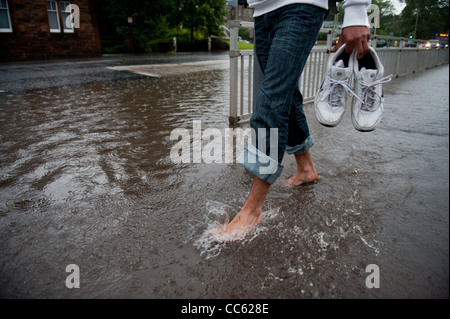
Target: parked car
[[381, 43], [432, 44], [334, 41], [410, 44]]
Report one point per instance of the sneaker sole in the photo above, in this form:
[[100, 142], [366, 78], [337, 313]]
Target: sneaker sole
[[327, 123], [364, 129]]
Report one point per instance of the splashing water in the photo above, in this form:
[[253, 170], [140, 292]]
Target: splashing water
[[213, 239]]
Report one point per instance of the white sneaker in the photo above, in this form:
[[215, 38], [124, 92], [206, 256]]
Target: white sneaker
[[331, 98], [368, 108]]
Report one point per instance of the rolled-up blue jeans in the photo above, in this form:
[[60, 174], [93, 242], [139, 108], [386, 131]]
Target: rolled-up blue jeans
[[284, 39]]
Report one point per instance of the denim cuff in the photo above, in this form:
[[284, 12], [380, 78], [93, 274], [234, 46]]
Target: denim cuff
[[259, 164], [301, 148]]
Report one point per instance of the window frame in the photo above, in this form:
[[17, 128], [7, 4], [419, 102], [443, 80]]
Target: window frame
[[64, 15], [6, 30], [57, 16]]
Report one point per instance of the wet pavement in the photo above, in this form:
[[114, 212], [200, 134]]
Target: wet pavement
[[86, 178]]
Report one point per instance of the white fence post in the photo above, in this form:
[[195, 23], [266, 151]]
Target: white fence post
[[234, 71], [329, 40]]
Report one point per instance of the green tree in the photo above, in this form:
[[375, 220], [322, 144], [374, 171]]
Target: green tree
[[157, 19], [203, 15], [425, 18], [214, 12], [150, 18], [388, 20]]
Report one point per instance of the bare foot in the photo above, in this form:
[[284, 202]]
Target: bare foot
[[303, 178], [244, 220], [306, 172], [250, 215], [242, 224]]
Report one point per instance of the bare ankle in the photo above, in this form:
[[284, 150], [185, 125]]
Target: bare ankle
[[251, 209]]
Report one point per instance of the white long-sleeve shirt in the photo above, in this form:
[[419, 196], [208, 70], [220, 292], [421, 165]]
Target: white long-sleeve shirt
[[355, 11]]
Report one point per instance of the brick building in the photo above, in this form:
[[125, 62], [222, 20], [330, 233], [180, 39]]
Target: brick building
[[41, 29]]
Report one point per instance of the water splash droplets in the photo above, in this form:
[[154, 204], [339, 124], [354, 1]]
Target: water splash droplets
[[213, 239]]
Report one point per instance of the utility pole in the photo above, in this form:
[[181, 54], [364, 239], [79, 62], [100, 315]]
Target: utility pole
[[415, 28], [130, 41]]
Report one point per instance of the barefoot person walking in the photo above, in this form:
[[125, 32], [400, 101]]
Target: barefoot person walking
[[285, 33]]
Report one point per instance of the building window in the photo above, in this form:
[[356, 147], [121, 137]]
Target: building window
[[53, 17], [5, 21], [65, 15]]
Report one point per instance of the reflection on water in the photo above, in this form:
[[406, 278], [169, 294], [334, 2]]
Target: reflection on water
[[86, 178]]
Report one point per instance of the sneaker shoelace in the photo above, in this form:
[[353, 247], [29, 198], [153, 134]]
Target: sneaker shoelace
[[370, 95], [337, 88]]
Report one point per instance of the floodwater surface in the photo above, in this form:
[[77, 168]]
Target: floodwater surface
[[86, 178]]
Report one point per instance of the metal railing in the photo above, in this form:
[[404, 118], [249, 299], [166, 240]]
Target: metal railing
[[240, 60], [245, 73]]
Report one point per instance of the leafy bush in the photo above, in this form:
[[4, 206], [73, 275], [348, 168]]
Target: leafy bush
[[113, 46], [184, 43]]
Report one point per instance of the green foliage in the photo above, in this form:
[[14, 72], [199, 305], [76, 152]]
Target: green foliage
[[243, 45], [387, 17], [157, 21], [183, 38], [432, 16], [114, 46], [204, 15], [244, 33]]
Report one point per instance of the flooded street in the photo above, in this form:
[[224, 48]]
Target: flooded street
[[86, 178]]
